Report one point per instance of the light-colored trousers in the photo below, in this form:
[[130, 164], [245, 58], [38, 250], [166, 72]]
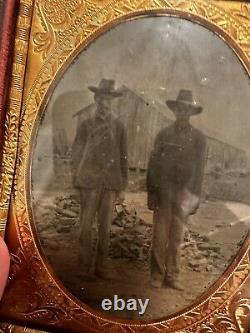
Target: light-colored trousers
[[95, 203], [169, 222]]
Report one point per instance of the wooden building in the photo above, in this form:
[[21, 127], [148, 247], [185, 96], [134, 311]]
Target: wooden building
[[225, 156], [143, 120]]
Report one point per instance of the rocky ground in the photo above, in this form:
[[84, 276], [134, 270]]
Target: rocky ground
[[212, 239]]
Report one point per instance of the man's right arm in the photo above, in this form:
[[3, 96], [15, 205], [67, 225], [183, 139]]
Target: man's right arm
[[78, 145], [153, 173], [153, 165], [124, 156]]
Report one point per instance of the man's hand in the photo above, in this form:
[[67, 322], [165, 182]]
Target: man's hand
[[4, 265], [121, 197], [188, 202]]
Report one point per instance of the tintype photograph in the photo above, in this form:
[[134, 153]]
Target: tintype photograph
[[140, 173]]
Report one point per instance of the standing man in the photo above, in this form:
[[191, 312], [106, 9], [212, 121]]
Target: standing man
[[101, 170], [174, 183]]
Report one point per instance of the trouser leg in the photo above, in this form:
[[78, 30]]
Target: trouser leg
[[105, 216], [176, 236], [89, 200], [161, 221]]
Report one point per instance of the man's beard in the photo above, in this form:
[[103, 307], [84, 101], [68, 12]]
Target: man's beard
[[104, 113]]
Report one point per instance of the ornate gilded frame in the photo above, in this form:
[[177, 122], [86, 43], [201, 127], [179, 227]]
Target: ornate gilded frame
[[49, 34]]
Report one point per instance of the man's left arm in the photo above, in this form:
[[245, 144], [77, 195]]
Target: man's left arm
[[123, 160], [189, 199], [200, 164]]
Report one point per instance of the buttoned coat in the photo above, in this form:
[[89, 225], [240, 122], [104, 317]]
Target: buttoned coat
[[99, 154], [177, 160]]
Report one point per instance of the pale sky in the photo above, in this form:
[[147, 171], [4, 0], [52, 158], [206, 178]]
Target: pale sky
[[157, 57]]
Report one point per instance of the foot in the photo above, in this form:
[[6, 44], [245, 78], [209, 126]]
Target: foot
[[175, 285], [156, 283]]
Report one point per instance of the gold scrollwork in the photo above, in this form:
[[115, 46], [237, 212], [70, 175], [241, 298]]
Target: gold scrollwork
[[55, 16], [242, 314], [8, 328], [97, 13], [243, 14], [12, 118]]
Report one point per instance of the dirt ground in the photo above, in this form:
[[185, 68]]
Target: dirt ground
[[213, 237]]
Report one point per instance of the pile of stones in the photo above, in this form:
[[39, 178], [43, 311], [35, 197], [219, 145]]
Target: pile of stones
[[200, 253], [67, 210], [131, 236]]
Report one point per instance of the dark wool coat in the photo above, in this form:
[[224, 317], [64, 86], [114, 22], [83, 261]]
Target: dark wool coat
[[177, 160], [99, 154]]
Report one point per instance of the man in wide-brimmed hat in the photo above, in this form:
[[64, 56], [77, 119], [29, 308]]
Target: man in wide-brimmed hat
[[99, 157], [174, 183]]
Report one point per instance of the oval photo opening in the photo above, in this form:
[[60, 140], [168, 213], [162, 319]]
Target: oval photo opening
[[141, 168]]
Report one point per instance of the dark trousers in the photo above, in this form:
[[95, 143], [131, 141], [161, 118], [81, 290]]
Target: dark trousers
[[169, 221], [168, 233]]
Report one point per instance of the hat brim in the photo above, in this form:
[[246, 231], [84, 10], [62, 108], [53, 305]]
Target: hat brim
[[194, 108], [113, 93]]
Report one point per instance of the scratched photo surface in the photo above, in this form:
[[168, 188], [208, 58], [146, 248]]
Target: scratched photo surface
[[140, 175]]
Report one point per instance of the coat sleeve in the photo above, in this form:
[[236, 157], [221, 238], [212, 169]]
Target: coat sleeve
[[200, 165], [153, 173], [124, 156], [78, 145]]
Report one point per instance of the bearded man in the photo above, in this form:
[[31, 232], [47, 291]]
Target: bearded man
[[101, 174]]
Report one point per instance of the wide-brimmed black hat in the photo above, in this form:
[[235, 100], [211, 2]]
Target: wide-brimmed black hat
[[185, 97], [106, 87]]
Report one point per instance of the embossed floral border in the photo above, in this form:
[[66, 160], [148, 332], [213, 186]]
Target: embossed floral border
[[59, 30]]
